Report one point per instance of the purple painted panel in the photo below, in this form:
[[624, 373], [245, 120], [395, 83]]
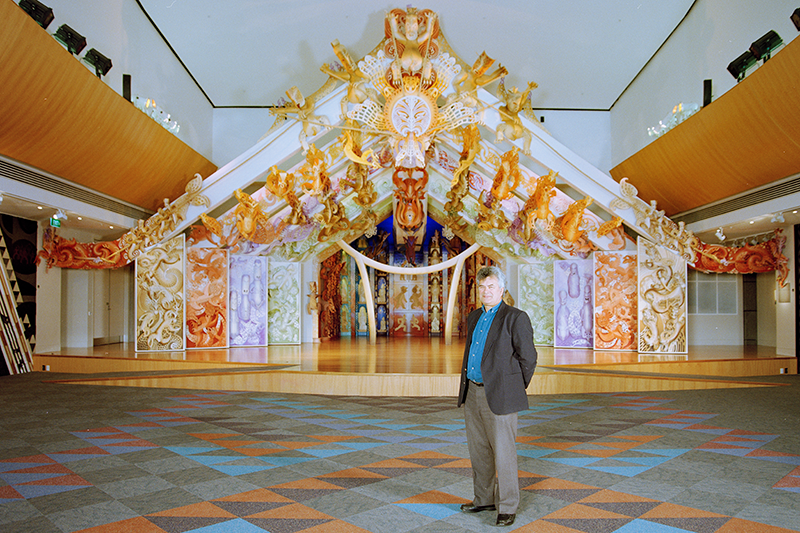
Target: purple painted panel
[[248, 300], [574, 304]]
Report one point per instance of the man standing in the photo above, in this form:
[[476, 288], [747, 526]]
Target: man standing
[[499, 360]]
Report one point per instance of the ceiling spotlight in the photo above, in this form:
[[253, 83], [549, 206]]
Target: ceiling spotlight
[[720, 235], [1, 197], [74, 41], [60, 215], [763, 47], [777, 217]]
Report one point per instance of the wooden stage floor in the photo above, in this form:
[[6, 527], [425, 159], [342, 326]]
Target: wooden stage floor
[[407, 367]]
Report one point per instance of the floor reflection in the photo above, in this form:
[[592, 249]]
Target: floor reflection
[[412, 355]]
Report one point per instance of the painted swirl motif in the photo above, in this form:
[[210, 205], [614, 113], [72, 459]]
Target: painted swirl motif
[[536, 299], [662, 302], [206, 306], [615, 301], [747, 259], [159, 297], [284, 303]]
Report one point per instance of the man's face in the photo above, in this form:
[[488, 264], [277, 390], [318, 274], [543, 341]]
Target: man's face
[[490, 291]]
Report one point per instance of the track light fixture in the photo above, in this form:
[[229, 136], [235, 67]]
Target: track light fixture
[[777, 217], [720, 235]]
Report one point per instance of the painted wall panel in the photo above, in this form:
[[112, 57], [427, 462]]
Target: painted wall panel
[[248, 300], [284, 303], [536, 299], [615, 301], [160, 304], [574, 313], [206, 298], [662, 300]]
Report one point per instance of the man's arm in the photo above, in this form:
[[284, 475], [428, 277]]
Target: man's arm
[[523, 346]]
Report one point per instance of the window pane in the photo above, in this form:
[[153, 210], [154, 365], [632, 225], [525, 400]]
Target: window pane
[[707, 298], [726, 298], [706, 278], [692, 306]]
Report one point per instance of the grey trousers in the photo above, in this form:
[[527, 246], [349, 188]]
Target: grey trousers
[[491, 440]]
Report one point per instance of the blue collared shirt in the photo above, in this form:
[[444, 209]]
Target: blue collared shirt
[[479, 343]]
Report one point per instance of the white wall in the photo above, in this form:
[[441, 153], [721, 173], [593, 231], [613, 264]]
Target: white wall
[[48, 306], [236, 130], [767, 307], [587, 133], [718, 330], [714, 33], [120, 31], [784, 312]]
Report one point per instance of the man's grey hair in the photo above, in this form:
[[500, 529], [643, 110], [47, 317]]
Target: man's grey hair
[[485, 272]]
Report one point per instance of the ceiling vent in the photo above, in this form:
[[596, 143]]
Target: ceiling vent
[[41, 180], [765, 194]]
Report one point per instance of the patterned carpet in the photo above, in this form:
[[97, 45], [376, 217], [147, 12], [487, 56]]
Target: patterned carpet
[[106, 459]]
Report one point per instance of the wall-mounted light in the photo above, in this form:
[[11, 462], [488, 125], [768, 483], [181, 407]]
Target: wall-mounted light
[[60, 215], [74, 41], [720, 235], [777, 217], [39, 12], [763, 47], [101, 63], [738, 67]]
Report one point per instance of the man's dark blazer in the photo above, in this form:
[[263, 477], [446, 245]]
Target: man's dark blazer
[[509, 360]]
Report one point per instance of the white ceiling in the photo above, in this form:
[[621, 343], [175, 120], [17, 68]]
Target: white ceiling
[[582, 53]]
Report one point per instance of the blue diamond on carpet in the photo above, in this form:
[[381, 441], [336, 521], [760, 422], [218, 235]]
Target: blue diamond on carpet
[[439, 511]]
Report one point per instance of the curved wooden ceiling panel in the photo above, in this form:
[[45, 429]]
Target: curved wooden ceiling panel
[[57, 116], [747, 138]]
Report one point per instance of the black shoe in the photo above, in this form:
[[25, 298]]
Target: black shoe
[[472, 508], [505, 519]]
